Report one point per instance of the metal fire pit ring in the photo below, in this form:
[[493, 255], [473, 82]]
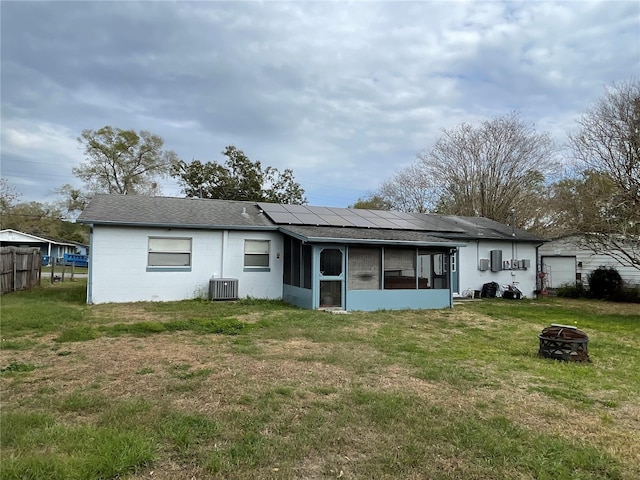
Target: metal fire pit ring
[[564, 342]]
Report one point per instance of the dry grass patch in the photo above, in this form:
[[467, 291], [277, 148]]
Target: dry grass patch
[[438, 394]]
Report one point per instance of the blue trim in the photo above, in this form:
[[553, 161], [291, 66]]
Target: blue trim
[[301, 297], [369, 300], [257, 269], [168, 269]]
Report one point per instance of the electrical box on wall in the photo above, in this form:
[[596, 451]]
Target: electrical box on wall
[[496, 260], [483, 264]]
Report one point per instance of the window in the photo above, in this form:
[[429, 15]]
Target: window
[[297, 263], [256, 253], [169, 252]]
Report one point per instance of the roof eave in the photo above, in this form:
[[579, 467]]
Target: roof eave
[[180, 225], [370, 241]]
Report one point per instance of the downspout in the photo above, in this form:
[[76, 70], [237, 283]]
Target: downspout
[[225, 239], [538, 265]]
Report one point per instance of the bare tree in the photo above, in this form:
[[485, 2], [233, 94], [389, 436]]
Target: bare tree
[[8, 195], [410, 190], [608, 146], [496, 170]]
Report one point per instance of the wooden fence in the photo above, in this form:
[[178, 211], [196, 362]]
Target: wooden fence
[[20, 268]]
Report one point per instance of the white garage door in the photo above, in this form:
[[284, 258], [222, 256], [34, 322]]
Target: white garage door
[[560, 271]]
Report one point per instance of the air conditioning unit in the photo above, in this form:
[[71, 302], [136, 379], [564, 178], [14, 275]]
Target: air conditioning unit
[[223, 289], [525, 263], [483, 264]]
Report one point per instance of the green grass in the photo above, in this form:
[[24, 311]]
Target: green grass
[[254, 389]]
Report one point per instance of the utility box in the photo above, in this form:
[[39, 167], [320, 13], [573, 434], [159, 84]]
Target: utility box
[[496, 260], [483, 264]]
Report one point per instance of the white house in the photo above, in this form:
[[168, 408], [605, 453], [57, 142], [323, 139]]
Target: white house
[[567, 262], [159, 248]]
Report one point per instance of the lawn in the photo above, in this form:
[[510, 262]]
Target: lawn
[[263, 390]]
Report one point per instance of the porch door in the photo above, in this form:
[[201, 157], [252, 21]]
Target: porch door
[[331, 292]]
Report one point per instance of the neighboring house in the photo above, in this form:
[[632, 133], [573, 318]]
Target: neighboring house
[[566, 262], [159, 248], [50, 248]]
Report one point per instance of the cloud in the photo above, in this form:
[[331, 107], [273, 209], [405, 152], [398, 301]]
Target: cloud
[[344, 93]]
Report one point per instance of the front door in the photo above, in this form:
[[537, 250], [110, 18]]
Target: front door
[[331, 291]]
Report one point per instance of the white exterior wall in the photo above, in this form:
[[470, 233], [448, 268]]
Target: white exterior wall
[[471, 278], [567, 247], [118, 265]]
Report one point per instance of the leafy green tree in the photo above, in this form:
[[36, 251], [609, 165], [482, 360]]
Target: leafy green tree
[[372, 202], [123, 161], [45, 220], [237, 179]]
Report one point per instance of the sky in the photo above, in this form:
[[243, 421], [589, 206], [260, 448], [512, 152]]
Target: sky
[[343, 93]]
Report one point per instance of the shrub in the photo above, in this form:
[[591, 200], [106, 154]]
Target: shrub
[[605, 283], [628, 294], [571, 291]]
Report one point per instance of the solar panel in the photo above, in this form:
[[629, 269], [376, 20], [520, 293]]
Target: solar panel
[[353, 217], [383, 223], [283, 218], [271, 207], [403, 224], [358, 221], [297, 209], [336, 220], [310, 219], [321, 210], [366, 213]]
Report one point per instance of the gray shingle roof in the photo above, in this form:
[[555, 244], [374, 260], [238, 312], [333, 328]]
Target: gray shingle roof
[[230, 214], [365, 235], [485, 228], [142, 210]]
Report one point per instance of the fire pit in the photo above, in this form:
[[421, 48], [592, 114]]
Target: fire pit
[[563, 342]]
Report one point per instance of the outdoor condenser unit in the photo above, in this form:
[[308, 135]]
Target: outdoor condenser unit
[[223, 289]]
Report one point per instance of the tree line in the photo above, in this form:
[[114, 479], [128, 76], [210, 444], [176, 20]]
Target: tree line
[[505, 170], [502, 169]]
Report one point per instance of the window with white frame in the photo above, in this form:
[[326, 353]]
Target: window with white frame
[[256, 253], [169, 252]]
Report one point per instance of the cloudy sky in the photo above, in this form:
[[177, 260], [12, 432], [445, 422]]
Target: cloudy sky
[[343, 93]]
